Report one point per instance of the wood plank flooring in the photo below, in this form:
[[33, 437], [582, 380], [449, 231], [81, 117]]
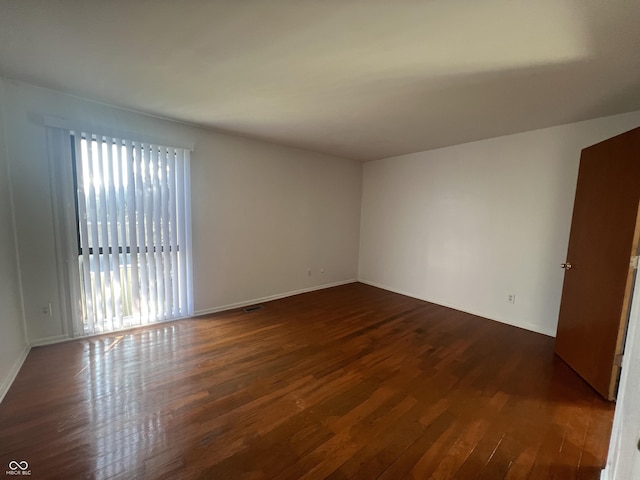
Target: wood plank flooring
[[351, 382]]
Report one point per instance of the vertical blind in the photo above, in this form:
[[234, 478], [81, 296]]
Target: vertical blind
[[134, 231]]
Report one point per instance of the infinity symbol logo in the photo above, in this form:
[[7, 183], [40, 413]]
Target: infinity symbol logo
[[23, 465]]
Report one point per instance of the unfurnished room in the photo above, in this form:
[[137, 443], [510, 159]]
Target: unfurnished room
[[320, 239]]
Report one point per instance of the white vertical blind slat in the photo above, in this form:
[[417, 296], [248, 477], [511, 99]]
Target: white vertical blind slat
[[167, 155], [123, 233], [149, 220], [142, 241], [180, 225], [116, 242], [185, 193], [128, 222], [156, 160], [85, 261], [94, 243], [102, 194], [173, 235]]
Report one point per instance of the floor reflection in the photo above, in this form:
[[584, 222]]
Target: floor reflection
[[122, 399]]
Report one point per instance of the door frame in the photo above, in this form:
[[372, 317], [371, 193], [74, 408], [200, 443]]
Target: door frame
[[626, 311]]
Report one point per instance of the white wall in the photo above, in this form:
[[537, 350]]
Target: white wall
[[262, 214], [464, 226], [13, 344]]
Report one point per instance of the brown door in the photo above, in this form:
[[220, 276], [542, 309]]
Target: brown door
[[598, 275]]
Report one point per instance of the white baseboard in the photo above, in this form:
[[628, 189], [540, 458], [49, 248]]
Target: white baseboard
[[39, 342], [526, 326], [604, 474], [278, 296], [13, 373]]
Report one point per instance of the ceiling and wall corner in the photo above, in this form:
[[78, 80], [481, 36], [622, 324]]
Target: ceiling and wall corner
[[363, 80]]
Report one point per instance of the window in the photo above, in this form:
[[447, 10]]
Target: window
[[132, 219]]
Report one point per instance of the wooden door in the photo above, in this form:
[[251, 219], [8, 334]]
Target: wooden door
[[598, 274]]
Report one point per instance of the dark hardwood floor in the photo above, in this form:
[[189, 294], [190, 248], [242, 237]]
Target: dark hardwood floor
[[351, 382]]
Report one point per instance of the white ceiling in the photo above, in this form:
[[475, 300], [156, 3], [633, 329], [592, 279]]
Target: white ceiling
[[363, 79]]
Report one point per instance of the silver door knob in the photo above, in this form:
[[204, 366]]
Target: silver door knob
[[566, 266]]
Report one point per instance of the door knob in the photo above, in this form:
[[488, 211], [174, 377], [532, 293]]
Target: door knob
[[566, 266]]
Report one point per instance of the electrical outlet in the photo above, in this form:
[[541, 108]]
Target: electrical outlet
[[322, 270], [309, 273], [45, 310], [511, 298]]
